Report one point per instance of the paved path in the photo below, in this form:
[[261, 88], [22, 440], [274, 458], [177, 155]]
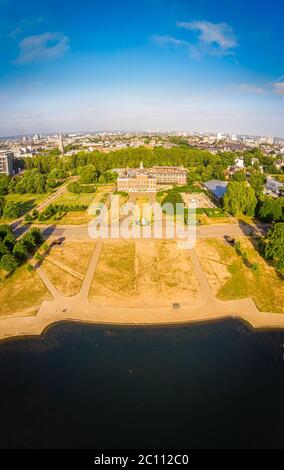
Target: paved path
[[64, 267], [80, 232], [206, 292], [75, 309], [87, 282], [52, 289], [78, 308], [17, 226]]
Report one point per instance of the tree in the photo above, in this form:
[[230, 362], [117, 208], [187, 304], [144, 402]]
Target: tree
[[8, 262], [4, 185], [74, 187], [271, 209], [29, 242], [218, 172], [9, 241], [274, 248], [11, 210], [239, 176], [28, 218], [88, 174], [5, 230], [239, 198], [19, 252], [3, 249], [37, 235], [2, 203], [257, 180]]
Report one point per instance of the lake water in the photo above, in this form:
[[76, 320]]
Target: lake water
[[80, 386]]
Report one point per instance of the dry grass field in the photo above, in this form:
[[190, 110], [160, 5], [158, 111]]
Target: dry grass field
[[75, 255], [143, 273], [21, 293], [65, 283], [231, 278]]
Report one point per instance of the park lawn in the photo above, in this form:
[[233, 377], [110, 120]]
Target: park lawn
[[203, 219], [21, 293], [65, 283], [70, 199], [156, 283], [73, 218], [26, 202], [115, 271], [75, 255], [265, 286]]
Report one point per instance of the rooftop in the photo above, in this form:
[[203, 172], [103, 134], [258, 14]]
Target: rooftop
[[218, 188]]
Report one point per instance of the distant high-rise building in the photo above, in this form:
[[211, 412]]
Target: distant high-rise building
[[6, 163], [219, 136], [270, 140], [60, 143]]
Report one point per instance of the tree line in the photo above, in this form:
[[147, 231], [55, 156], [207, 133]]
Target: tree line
[[14, 252]]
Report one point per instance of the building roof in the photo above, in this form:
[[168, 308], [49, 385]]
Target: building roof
[[218, 188]]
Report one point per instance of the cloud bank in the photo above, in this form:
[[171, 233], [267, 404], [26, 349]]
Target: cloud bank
[[46, 46]]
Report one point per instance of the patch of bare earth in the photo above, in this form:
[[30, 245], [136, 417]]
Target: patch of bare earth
[[144, 273], [65, 283], [75, 255], [21, 293], [212, 264], [114, 279]]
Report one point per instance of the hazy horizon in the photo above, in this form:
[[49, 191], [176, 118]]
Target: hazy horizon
[[158, 64]]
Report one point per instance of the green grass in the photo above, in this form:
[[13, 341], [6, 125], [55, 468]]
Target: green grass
[[26, 202], [28, 292], [264, 286], [69, 198], [116, 268]]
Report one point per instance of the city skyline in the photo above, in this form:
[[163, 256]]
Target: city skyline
[[173, 65]]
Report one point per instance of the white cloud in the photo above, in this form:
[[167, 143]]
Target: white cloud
[[15, 33], [46, 46], [247, 88], [213, 38], [279, 88], [166, 40]]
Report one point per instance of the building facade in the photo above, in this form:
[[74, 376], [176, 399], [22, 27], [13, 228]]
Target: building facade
[[146, 179], [6, 163], [169, 174], [137, 183]]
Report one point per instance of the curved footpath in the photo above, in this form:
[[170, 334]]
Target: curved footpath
[[79, 308], [75, 309]]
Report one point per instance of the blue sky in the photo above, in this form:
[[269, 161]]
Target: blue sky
[[193, 65]]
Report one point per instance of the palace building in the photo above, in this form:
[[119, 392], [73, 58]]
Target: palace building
[[146, 179]]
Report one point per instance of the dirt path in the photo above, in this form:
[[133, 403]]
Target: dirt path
[[206, 291], [87, 282], [52, 289], [64, 267]]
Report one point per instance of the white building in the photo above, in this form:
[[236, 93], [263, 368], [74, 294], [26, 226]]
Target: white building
[[6, 163], [239, 163]]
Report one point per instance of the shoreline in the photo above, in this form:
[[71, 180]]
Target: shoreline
[[51, 313]]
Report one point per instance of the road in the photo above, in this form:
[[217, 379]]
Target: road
[[202, 232], [61, 190]]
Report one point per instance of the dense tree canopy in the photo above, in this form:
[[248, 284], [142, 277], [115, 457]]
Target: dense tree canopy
[[239, 198], [13, 252], [11, 210], [275, 245], [4, 185], [272, 209], [257, 180]]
